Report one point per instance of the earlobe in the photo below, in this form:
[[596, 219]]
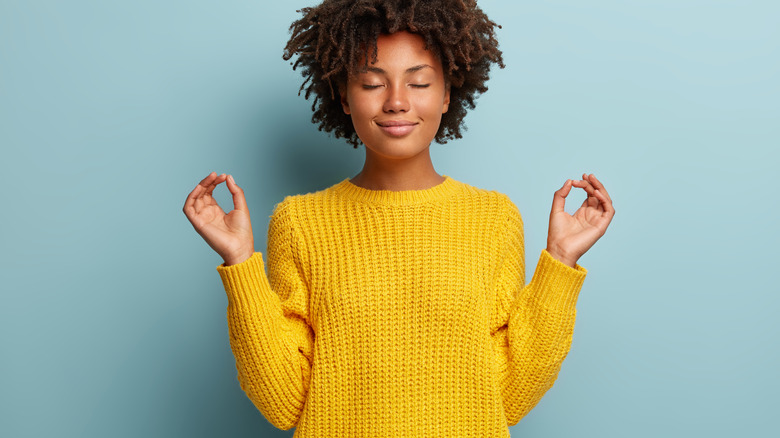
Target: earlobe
[[343, 97], [446, 104], [345, 105]]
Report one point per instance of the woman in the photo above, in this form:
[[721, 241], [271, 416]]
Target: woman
[[395, 302]]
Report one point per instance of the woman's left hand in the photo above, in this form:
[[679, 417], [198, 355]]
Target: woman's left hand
[[570, 236]]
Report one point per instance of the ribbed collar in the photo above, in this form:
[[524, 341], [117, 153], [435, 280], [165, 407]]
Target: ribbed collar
[[403, 197]]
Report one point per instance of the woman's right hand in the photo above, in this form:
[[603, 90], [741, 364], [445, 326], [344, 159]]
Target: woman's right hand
[[230, 235]]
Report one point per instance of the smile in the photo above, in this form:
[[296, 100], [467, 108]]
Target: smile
[[396, 128]]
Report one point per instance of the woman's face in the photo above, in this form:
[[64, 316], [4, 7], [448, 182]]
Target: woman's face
[[397, 102]]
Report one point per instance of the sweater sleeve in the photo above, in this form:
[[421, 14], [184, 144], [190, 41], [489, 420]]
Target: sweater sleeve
[[532, 325], [268, 321]]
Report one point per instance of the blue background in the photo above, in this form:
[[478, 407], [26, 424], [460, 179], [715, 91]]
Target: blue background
[[112, 321]]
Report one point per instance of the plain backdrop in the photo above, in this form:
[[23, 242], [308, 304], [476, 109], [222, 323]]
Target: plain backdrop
[[112, 320]]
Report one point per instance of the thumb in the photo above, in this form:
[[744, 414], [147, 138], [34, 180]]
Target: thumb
[[559, 198], [239, 201]]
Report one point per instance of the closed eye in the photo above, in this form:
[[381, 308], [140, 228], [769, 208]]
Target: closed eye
[[370, 87], [421, 85]]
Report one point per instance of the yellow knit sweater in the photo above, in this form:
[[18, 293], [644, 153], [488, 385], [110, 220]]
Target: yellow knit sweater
[[398, 314]]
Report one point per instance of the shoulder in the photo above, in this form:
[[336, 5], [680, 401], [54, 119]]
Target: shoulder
[[292, 205], [284, 211], [493, 201]]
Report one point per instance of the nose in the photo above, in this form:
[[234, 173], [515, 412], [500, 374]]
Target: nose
[[397, 100]]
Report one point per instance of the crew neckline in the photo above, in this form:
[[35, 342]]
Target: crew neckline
[[396, 197]]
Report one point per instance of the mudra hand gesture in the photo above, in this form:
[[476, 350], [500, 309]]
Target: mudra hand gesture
[[570, 236], [230, 235]]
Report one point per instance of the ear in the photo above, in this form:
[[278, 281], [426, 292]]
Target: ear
[[343, 96], [446, 104]]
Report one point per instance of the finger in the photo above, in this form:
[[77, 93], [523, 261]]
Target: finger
[[201, 196], [203, 186], [197, 193], [597, 184], [217, 181], [207, 197], [207, 180], [606, 204], [585, 185], [239, 201], [590, 200], [586, 178], [559, 198]]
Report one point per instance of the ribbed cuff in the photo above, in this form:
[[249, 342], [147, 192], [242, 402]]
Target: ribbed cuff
[[556, 285], [244, 282]]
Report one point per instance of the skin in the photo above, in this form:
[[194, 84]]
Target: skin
[[405, 84]]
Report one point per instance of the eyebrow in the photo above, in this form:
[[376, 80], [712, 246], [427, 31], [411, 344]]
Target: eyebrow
[[408, 70]]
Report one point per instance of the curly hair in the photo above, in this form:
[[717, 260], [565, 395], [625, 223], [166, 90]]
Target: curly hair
[[332, 38]]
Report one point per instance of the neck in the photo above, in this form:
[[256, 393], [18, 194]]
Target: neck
[[414, 173]]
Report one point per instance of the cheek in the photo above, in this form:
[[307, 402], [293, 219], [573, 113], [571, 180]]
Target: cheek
[[360, 107], [432, 106], [359, 114], [432, 111]]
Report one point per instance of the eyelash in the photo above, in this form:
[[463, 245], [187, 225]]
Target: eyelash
[[371, 87]]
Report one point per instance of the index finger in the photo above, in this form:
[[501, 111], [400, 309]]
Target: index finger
[[597, 184], [205, 186], [214, 183]]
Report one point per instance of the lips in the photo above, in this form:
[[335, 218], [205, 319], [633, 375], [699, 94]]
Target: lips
[[396, 128]]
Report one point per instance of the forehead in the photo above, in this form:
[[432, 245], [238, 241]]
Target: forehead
[[401, 51]]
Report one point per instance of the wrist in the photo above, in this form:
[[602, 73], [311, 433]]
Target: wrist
[[237, 259], [562, 257]]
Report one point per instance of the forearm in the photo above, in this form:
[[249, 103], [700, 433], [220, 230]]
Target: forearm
[[267, 346], [538, 335]]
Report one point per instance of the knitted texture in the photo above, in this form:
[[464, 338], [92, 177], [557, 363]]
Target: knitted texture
[[398, 314]]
